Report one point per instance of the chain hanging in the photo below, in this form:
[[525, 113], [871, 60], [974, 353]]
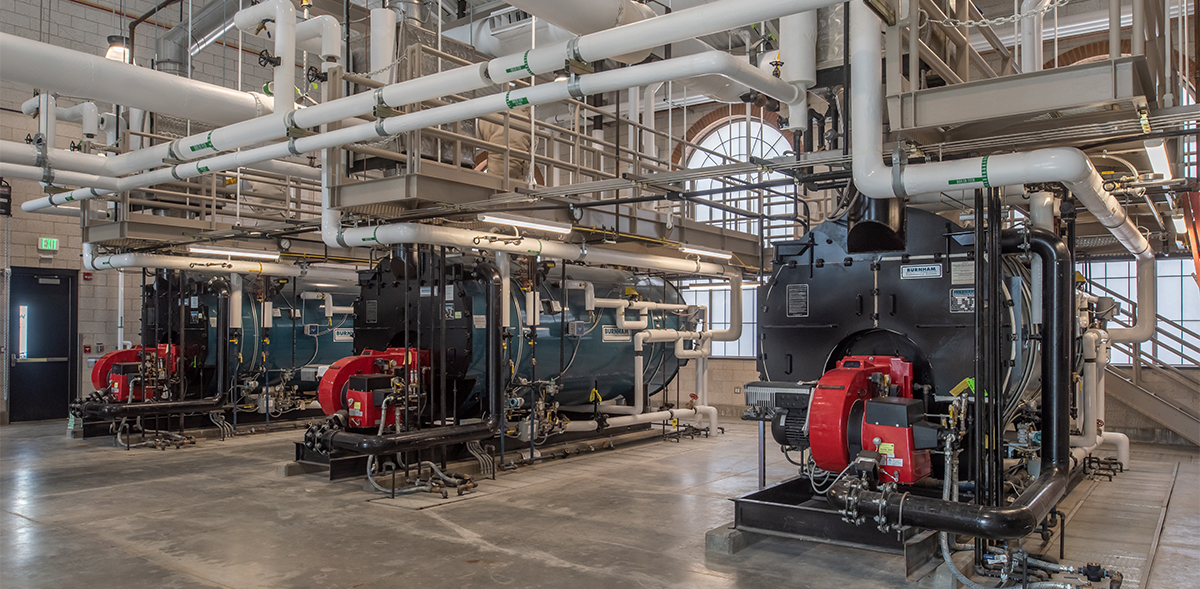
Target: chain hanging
[[1004, 20]]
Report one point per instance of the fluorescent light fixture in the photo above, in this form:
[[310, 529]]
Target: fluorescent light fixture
[[705, 251], [1179, 223], [526, 222], [220, 251], [722, 286], [1156, 150], [118, 48]]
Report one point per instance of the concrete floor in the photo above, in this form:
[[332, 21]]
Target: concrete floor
[[83, 513]]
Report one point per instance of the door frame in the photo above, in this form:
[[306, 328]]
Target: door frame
[[73, 337]]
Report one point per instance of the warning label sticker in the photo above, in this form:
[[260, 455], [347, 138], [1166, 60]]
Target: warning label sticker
[[914, 271], [613, 334], [893, 462], [962, 272], [797, 300], [962, 300]]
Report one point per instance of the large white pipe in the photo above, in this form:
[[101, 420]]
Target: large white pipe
[[591, 16], [504, 265], [383, 43], [19, 153], [1031, 36], [709, 63], [1090, 347], [91, 261], [650, 33], [874, 179], [47, 119], [1114, 28], [710, 413], [75, 73], [235, 300], [1146, 317], [1043, 209], [466, 239], [84, 113], [284, 74], [798, 51]]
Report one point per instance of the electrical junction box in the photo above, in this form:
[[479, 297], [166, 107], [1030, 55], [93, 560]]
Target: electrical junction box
[[312, 329], [577, 328]]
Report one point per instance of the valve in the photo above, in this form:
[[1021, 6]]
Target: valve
[[314, 75], [265, 59]]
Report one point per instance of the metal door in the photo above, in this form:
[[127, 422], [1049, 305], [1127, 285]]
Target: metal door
[[42, 358]]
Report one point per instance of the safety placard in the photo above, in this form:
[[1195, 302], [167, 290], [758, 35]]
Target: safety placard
[[962, 272], [797, 300], [916, 271], [615, 334], [962, 300]]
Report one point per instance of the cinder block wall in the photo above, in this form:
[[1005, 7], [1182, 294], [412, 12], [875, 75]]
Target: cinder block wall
[[74, 25]]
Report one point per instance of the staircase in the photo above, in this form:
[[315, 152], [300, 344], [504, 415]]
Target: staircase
[[1127, 384]]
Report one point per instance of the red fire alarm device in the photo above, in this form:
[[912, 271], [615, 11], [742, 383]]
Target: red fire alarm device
[[87, 349], [87, 275]]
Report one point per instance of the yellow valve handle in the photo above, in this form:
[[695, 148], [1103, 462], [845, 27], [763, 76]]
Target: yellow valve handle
[[967, 383]]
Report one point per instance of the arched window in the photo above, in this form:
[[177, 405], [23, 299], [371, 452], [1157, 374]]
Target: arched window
[[741, 139]]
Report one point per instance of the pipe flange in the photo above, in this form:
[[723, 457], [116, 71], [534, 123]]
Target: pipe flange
[[573, 87]]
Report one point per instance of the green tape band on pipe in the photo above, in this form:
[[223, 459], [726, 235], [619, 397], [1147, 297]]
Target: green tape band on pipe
[[523, 66]]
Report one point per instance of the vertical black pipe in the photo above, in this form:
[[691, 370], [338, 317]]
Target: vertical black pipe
[[995, 308], [977, 426], [446, 292]]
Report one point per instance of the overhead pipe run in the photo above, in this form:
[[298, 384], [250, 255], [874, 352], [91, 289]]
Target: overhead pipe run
[[677, 26], [92, 261], [708, 63], [103, 80], [876, 180]]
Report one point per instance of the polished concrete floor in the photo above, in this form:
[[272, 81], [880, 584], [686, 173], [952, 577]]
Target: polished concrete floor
[[85, 514]]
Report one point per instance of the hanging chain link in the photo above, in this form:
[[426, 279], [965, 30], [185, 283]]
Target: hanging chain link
[[1004, 20]]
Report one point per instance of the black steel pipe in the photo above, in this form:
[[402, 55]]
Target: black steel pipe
[[119, 410], [405, 442], [1023, 515]]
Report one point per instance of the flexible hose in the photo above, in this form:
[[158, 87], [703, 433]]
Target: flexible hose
[[946, 556], [403, 491]]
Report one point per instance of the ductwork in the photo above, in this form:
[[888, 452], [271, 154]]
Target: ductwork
[[172, 46]]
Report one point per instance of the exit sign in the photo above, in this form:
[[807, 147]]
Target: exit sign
[[48, 244]]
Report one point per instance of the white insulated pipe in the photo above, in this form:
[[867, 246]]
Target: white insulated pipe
[[1031, 35], [235, 300], [708, 63], [91, 261], [1043, 209], [284, 74], [504, 265], [84, 113], [798, 52], [874, 179], [709, 413], [1146, 316], [47, 119], [1090, 347], [677, 26], [75, 73], [590, 17], [465, 239], [383, 43]]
